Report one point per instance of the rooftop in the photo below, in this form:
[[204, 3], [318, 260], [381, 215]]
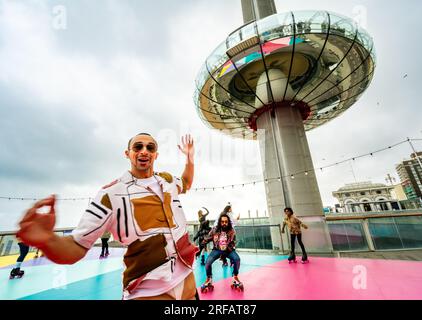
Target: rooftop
[[325, 278], [363, 185]]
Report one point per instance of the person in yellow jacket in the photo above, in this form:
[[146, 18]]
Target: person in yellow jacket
[[294, 225]]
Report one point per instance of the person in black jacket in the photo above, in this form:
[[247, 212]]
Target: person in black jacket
[[203, 231]]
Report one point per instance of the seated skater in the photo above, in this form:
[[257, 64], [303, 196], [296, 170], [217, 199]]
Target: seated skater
[[229, 212], [223, 237]]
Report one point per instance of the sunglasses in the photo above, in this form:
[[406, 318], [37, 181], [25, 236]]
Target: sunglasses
[[151, 147]]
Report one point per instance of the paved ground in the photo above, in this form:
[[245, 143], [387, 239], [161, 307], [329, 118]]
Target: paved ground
[[413, 255]]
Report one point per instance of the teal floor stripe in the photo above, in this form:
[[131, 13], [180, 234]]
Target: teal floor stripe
[[101, 280]]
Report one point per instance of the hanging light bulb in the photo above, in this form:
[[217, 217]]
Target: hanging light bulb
[[292, 176], [306, 173]]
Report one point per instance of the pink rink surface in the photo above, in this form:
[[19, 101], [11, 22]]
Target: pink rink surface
[[326, 279]]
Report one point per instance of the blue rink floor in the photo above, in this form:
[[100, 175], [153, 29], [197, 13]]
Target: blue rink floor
[[95, 279]]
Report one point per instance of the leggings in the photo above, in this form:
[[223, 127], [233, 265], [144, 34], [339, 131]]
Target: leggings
[[299, 240]]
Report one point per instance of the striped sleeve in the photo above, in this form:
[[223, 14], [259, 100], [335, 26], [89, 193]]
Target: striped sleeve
[[95, 220]]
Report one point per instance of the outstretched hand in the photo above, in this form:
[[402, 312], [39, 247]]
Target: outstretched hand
[[187, 147], [37, 228]]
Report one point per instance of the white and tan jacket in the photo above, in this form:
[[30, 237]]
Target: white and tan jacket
[[153, 230]]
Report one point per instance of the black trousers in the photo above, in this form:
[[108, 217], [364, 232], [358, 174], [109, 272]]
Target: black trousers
[[23, 249], [299, 240], [104, 243]]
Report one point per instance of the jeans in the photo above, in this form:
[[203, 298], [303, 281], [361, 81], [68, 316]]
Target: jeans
[[215, 254]]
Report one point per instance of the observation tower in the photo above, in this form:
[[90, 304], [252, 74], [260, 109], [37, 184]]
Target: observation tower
[[276, 77]]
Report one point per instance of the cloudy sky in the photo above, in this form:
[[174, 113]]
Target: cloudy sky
[[78, 78]]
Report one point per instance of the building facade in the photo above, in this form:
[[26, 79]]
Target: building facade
[[365, 197], [410, 173]]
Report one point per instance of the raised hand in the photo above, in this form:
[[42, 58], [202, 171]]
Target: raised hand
[[187, 147], [37, 228]]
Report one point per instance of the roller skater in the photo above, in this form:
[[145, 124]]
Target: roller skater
[[294, 225], [200, 235], [16, 271], [202, 216], [207, 286], [142, 211], [104, 244], [229, 212], [223, 237]]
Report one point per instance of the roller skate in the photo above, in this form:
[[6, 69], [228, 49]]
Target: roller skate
[[107, 254], [101, 256], [236, 284], [207, 286], [292, 258], [16, 272], [305, 258]]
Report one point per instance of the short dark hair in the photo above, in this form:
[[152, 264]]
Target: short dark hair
[[139, 134], [288, 209]]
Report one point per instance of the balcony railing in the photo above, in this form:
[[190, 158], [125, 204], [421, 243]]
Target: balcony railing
[[349, 232]]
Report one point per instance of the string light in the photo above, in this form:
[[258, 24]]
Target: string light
[[292, 175]]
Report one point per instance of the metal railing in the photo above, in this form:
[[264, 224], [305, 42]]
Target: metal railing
[[354, 232]]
